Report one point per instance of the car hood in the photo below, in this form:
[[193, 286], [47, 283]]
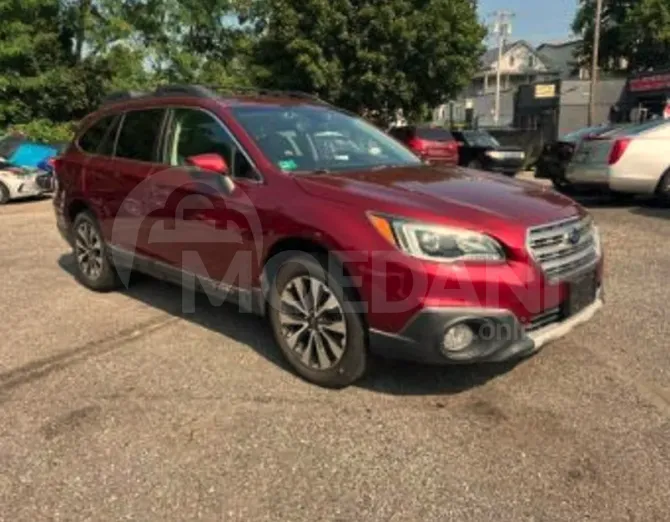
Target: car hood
[[454, 194]]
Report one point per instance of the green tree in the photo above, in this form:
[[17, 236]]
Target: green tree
[[367, 54], [35, 55], [634, 33]]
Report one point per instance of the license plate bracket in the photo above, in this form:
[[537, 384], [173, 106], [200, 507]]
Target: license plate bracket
[[581, 293]]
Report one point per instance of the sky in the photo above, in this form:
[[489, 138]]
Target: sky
[[535, 20]]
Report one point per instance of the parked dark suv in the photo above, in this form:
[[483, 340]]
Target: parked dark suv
[[341, 236]]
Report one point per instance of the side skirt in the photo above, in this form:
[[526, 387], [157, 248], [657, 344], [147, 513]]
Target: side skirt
[[249, 300]]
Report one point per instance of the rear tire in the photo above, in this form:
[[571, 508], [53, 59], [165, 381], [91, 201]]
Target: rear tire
[[562, 186], [663, 189], [475, 165], [4, 194], [93, 264], [315, 322]]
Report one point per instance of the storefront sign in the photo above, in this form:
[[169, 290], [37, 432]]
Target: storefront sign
[[545, 90], [657, 82]]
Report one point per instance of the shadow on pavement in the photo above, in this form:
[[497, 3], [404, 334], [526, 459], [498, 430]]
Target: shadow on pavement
[[655, 210], [390, 377], [641, 205]]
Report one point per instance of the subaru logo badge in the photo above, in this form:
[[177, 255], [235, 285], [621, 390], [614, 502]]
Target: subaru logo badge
[[573, 237]]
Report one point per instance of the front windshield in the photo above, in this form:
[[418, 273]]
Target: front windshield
[[310, 138], [480, 139]]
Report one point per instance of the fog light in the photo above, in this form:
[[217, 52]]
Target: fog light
[[458, 338]]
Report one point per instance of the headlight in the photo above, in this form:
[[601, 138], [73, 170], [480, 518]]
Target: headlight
[[438, 243], [495, 154]]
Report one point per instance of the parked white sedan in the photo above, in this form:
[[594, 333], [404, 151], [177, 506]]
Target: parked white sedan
[[631, 160], [19, 183]]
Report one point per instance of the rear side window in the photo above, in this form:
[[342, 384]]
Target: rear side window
[[400, 133], [430, 134], [139, 134], [106, 148], [91, 140]]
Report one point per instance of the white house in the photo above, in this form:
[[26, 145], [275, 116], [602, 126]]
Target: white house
[[520, 64]]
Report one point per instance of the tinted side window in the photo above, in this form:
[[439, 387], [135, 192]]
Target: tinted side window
[[194, 132], [91, 139], [139, 134], [434, 134]]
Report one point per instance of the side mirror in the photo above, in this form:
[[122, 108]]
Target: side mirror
[[209, 162]]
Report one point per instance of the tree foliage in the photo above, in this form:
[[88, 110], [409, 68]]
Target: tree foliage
[[635, 33], [367, 54], [58, 57]]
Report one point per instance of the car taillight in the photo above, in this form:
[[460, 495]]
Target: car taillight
[[618, 150], [56, 164], [417, 145]]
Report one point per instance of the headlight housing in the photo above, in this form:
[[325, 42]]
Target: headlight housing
[[438, 243], [495, 154]]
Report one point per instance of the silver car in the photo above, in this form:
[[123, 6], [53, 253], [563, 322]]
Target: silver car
[[627, 161], [19, 183]]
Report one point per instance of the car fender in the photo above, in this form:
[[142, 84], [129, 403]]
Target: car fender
[[9, 180]]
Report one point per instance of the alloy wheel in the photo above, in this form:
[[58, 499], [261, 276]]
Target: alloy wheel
[[313, 323], [88, 250]]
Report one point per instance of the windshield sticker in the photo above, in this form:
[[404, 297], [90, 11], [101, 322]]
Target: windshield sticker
[[288, 164]]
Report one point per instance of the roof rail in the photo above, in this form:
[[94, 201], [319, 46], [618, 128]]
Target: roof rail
[[199, 91], [268, 92], [122, 95]]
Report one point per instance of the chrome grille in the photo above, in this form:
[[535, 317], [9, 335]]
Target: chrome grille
[[565, 248]]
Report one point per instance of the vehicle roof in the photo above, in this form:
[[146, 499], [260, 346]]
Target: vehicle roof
[[232, 97]]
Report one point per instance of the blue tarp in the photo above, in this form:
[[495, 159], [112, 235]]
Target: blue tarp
[[31, 154]]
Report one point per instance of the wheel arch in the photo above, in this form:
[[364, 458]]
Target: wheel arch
[[76, 207], [303, 245], [661, 180]]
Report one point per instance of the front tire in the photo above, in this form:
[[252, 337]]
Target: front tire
[[4, 194], [475, 165], [315, 321], [94, 268]]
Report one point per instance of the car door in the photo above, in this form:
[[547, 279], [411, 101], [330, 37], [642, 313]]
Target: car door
[[133, 160], [201, 224]]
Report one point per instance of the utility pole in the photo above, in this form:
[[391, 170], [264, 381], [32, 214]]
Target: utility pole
[[594, 63], [502, 28]]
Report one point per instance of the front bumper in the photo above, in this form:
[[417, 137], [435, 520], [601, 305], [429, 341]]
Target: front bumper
[[500, 335], [506, 167], [28, 187]]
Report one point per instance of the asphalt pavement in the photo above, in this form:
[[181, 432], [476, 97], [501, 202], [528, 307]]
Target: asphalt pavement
[[119, 407]]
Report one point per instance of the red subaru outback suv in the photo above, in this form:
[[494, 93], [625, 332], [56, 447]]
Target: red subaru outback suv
[[344, 239]]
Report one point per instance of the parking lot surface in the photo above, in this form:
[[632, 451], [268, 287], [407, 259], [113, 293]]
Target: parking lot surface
[[120, 407]]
